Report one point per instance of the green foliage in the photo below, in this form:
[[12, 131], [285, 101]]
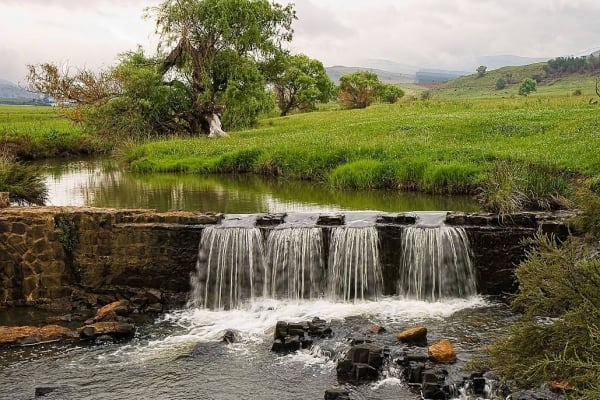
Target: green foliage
[[501, 83], [390, 93], [24, 184], [528, 86], [67, 232], [481, 70], [557, 335], [300, 83], [451, 178], [358, 89], [571, 65]]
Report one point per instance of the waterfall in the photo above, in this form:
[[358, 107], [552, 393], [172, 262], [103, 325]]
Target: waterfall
[[354, 269], [436, 263], [295, 263], [230, 268]]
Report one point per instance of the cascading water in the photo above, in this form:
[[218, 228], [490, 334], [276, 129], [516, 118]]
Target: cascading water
[[436, 264], [230, 268], [354, 269], [295, 263]]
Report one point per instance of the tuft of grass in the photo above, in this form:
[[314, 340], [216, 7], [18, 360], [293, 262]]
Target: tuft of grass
[[362, 174], [451, 178], [23, 183]]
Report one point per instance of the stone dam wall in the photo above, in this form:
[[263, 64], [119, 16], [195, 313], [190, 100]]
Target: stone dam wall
[[54, 257]]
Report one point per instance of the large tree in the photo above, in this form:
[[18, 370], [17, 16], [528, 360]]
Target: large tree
[[215, 46], [209, 67], [300, 83]]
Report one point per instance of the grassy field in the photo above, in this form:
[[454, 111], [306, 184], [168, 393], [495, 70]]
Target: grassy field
[[443, 146], [40, 132]]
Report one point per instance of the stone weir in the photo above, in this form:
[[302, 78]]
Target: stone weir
[[60, 257]]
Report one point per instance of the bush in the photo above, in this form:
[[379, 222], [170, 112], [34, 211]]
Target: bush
[[501, 84], [390, 93], [557, 336], [528, 86]]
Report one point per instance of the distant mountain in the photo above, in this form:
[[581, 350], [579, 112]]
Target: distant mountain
[[507, 60], [337, 71], [13, 94]]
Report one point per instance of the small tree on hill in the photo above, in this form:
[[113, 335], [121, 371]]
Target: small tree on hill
[[481, 70], [358, 90], [528, 86], [501, 83]]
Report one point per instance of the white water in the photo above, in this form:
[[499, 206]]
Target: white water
[[436, 263], [295, 265], [354, 269], [230, 268]]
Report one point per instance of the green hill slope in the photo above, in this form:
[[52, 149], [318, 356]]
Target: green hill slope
[[473, 86]]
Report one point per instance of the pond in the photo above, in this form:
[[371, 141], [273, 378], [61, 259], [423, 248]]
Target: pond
[[103, 183]]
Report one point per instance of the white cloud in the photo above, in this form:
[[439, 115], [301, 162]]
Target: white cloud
[[430, 33]]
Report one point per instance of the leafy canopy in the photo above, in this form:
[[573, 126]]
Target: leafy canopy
[[358, 89], [300, 83]]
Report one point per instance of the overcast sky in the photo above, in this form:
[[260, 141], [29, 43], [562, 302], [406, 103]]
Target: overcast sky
[[449, 34]]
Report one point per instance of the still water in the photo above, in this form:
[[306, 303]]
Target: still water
[[103, 183]]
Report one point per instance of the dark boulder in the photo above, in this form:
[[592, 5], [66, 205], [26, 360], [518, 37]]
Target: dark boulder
[[362, 363]]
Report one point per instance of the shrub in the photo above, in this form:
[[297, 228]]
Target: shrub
[[358, 90], [557, 336], [501, 84], [528, 86], [390, 93]]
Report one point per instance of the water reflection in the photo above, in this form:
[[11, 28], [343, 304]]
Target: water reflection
[[102, 183]]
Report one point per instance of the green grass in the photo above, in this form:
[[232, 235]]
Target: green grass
[[38, 132], [472, 86], [440, 146]]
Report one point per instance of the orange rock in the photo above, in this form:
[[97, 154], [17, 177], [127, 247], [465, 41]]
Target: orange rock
[[558, 386], [115, 329], [417, 335], [18, 335], [442, 352], [111, 311]]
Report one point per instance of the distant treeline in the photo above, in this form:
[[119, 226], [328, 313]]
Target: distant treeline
[[571, 65], [26, 102]]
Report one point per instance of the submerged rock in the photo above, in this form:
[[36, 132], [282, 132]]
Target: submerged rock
[[337, 394], [28, 335]]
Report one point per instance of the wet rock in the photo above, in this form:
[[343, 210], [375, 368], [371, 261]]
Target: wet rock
[[377, 329], [270, 219], [337, 394], [112, 311], [362, 363], [331, 219], [104, 339], [117, 330], [231, 336], [397, 219], [442, 352], [295, 336], [4, 200], [433, 384], [53, 392], [154, 296], [28, 335], [416, 336], [558, 386]]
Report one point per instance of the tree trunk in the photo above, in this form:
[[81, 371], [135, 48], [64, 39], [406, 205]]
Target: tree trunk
[[215, 128]]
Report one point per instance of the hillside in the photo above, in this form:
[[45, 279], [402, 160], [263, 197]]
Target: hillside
[[337, 71], [13, 94], [473, 86]]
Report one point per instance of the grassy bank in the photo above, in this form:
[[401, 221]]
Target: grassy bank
[[40, 132], [439, 146]]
